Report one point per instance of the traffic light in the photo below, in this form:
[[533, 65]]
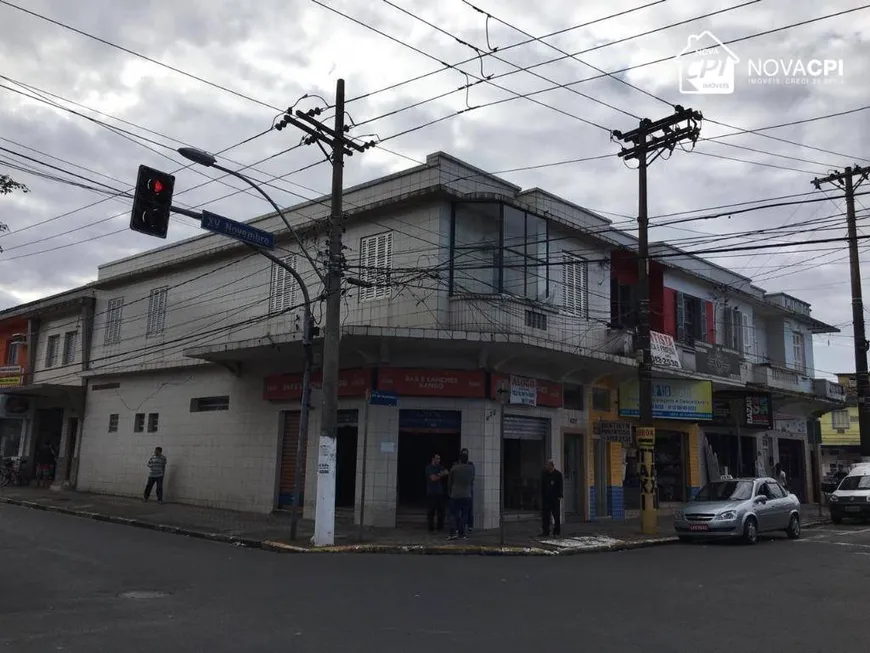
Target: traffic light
[[152, 202]]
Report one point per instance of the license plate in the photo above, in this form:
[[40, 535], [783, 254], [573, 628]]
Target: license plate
[[699, 527], [853, 509]]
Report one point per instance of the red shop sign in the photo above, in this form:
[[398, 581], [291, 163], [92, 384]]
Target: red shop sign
[[286, 387], [549, 392], [433, 383]]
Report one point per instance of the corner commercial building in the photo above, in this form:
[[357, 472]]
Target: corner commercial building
[[502, 318]]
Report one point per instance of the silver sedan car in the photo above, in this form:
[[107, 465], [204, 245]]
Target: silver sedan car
[[739, 508]]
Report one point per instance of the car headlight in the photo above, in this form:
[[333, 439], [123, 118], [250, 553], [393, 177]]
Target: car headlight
[[833, 498], [727, 515], [679, 515]]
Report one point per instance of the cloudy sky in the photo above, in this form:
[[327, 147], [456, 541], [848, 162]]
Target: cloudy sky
[[269, 53]]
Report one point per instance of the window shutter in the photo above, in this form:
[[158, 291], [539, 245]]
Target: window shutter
[[569, 283], [376, 260], [681, 316], [710, 315], [669, 310], [748, 335]]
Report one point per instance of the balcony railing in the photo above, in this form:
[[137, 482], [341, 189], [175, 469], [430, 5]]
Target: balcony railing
[[829, 390], [781, 378]]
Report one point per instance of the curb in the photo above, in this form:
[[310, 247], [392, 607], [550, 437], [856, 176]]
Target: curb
[[419, 549]]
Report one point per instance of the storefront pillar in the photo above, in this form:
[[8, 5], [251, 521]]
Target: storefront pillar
[[615, 496]]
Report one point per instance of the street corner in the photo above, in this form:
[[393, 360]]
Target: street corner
[[602, 543], [278, 546]]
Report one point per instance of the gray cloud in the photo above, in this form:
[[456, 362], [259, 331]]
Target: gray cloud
[[275, 51]]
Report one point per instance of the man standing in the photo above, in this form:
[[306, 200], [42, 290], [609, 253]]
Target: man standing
[[551, 498], [156, 471], [435, 499], [470, 503], [460, 481]]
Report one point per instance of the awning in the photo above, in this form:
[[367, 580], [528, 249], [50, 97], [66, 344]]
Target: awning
[[47, 390]]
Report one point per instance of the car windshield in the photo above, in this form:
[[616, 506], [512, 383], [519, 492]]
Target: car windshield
[[725, 491], [855, 483]]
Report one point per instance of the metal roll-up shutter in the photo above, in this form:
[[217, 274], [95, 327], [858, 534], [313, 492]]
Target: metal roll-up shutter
[[288, 460], [526, 428]]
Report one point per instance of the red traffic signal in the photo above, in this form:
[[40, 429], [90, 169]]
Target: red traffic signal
[[152, 202]]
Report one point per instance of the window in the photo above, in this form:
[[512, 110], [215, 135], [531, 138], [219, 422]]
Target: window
[[14, 351], [776, 491], [840, 419], [499, 249], [535, 320], [623, 314], [733, 331], [156, 311], [691, 319], [113, 321], [207, 404], [113, 423], [152, 422], [139, 423], [748, 335], [376, 260], [70, 339], [601, 399], [52, 347], [476, 256], [572, 396], [283, 287], [575, 284], [798, 351]]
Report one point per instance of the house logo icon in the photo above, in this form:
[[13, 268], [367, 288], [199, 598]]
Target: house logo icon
[[706, 66]]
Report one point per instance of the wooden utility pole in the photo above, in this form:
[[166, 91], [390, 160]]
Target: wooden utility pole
[[846, 181], [646, 145]]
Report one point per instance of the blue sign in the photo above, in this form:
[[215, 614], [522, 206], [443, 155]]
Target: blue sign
[[238, 230], [383, 398]]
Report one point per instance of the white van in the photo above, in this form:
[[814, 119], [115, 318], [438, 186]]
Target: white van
[[851, 499]]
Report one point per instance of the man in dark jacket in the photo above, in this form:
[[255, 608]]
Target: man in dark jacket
[[435, 499], [551, 498]]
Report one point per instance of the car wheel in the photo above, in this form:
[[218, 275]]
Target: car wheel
[[794, 527], [750, 531], [837, 519]]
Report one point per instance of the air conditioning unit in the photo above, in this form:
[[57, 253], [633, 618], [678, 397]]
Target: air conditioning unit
[[14, 406]]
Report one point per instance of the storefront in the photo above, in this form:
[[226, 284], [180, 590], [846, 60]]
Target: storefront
[[735, 436], [678, 405]]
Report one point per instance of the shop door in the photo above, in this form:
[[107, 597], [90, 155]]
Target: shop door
[[423, 433], [670, 461], [345, 459], [525, 451], [72, 430], [574, 474], [289, 441], [791, 458]]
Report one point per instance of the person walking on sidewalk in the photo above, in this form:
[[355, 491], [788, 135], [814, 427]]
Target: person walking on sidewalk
[[435, 498], [156, 472], [551, 499], [459, 482]]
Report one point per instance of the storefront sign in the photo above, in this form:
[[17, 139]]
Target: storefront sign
[[672, 399], [646, 437], [10, 376], [524, 391], [718, 362], [664, 350], [789, 424], [433, 383], [613, 430], [547, 393], [758, 410], [287, 387], [430, 421]]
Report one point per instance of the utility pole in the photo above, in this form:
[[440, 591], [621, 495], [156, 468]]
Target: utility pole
[[341, 146], [845, 180], [646, 141]]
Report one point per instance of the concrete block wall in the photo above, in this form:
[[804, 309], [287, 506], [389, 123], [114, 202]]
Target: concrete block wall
[[222, 459]]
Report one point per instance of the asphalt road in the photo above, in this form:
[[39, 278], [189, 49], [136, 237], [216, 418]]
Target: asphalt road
[[64, 577]]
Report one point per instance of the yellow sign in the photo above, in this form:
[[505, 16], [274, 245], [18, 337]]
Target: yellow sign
[[672, 399], [646, 437], [10, 381]]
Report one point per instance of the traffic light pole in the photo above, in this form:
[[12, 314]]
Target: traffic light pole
[[845, 181], [644, 142]]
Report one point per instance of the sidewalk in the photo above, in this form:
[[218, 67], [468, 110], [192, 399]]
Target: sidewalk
[[272, 532]]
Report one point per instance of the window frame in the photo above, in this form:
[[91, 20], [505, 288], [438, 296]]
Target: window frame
[[840, 413], [114, 422], [52, 350], [209, 404], [799, 351], [114, 318], [152, 422], [285, 297], [14, 345], [535, 255], [139, 423], [577, 264], [155, 319], [70, 344], [376, 266]]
